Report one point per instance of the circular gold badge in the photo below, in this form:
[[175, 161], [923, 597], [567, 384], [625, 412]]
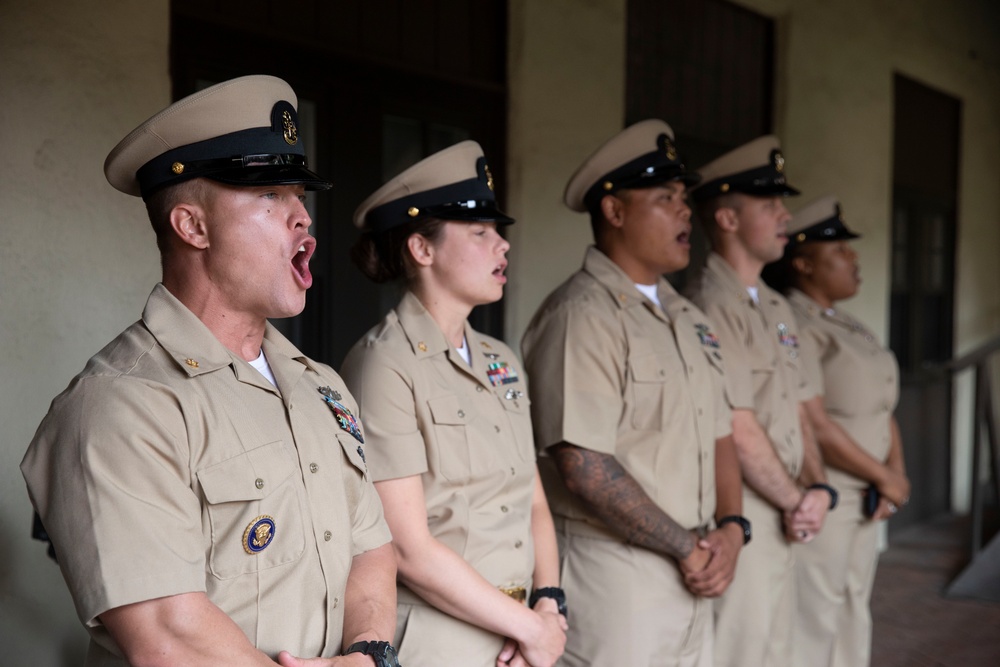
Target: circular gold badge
[[258, 534]]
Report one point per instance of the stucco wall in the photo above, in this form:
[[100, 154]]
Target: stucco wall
[[76, 258]]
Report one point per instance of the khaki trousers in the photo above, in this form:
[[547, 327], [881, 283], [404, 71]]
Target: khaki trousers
[[753, 618], [426, 637], [628, 605], [835, 574]]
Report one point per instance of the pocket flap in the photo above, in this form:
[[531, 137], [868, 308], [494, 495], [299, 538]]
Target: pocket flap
[[448, 410], [647, 368], [235, 480]]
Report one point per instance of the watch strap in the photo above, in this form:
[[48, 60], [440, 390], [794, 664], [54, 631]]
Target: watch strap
[[834, 496], [553, 592], [383, 652], [743, 523]]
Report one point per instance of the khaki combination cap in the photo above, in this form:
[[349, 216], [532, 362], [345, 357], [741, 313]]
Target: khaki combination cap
[[820, 220], [452, 184], [242, 132], [755, 168], [640, 156]]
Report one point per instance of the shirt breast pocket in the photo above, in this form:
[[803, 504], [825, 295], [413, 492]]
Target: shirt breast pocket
[[255, 511], [647, 395], [519, 415], [450, 440]]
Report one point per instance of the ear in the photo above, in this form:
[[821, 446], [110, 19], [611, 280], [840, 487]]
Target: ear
[[188, 223], [726, 219], [802, 265], [420, 249], [612, 208]]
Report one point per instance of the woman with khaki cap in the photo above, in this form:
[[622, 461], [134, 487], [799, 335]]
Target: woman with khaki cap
[[447, 427], [857, 383]]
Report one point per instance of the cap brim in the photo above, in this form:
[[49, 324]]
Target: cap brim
[[272, 175], [480, 214]]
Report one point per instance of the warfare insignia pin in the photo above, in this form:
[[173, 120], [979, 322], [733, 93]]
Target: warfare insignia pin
[[787, 339], [706, 336], [485, 344], [513, 394], [291, 133], [500, 373], [344, 417], [258, 534], [329, 393], [491, 355]]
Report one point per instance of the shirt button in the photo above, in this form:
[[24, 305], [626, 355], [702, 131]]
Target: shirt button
[[699, 412], [512, 471], [336, 601], [259, 483], [328, 536], [478, 388], [497, 428], [690, 369], [461, 413], [518, 544], [662, 372], [503, 508], [313, 467]]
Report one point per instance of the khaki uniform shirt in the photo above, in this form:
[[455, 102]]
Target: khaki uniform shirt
[[857, 377], [169, 461], [762, 355], [464, 429], [614, 373]]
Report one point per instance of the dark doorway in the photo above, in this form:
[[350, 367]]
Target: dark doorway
[[707, 68], [384, 83], [927, 131]]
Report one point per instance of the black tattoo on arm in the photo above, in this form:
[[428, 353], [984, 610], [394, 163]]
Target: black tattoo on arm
[[617, 499]]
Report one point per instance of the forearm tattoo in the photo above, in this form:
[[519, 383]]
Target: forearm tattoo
[[618, 500]]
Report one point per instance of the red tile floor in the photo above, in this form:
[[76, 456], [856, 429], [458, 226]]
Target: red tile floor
[[915, 623]]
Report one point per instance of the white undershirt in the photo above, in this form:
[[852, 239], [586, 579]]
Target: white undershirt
[[752, 291], [264, 368], [464, 351], [649, 291]]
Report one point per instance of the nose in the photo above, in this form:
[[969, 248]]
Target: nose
[[300, 215]]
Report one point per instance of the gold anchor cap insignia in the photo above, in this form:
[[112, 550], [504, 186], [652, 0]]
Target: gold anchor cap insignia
[[489, 177], [291, 133], [779, 162]]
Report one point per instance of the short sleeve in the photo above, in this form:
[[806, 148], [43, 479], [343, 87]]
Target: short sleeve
[[383, 389], [810, 365], [575, 360], [108, 473]]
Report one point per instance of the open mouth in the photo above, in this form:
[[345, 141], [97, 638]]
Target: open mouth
[[684, 238], [300, 262], [498, 272]]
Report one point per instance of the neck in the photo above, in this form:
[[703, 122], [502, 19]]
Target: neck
[[746, 267], [636, 271], [241, 333], [449, 314], [816, 294]]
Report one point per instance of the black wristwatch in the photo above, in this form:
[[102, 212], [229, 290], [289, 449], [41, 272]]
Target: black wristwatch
[[383, 652], [556, 594], [744, 524], [834, 496]]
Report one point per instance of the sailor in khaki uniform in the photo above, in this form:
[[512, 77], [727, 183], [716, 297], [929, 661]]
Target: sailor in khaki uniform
[[852, 417], [632, 421], [448, 426], [203, 482], [740, 203]]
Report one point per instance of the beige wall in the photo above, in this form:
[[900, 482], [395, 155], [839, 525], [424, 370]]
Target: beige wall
[[76, 257], [77, 260]]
